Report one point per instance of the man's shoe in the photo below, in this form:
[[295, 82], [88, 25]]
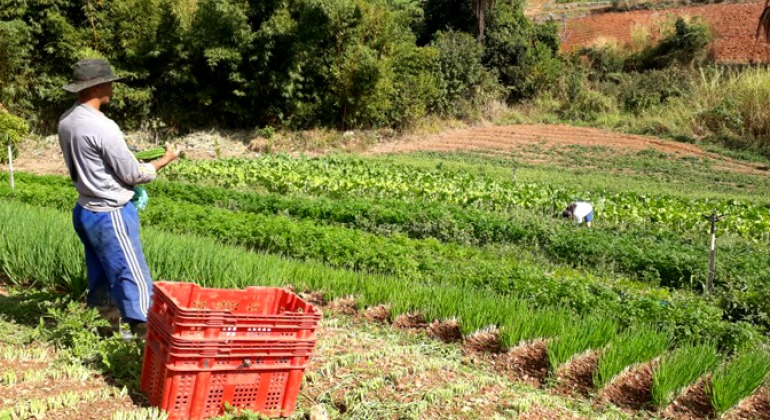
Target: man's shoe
[[133, 331], [112, 315], [139, 329]]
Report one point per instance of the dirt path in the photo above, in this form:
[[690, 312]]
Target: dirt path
[[46, 159], [537, 7], [546, 137]]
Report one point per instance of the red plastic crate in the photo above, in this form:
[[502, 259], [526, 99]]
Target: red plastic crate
[[195, 386], [247, 347], [232, 346], [191, 311]]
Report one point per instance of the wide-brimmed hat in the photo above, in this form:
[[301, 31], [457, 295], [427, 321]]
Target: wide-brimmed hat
[[90, 72]]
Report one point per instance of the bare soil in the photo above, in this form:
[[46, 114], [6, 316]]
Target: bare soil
[[545, 137], [733, 27], [19, 367], [379, 313], [27, 391], [447, 331], [577, 376], [632, 389], [527, 362], [44, 156], [97, 410], [410, 320], [755, 407], [693, 404]]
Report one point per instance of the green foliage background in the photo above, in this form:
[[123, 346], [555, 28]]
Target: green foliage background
[[288, 63]]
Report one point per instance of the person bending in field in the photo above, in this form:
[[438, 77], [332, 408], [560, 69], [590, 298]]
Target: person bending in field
[[580, 211], [105, 172]]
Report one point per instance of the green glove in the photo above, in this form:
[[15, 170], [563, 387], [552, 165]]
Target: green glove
[[141, 199]]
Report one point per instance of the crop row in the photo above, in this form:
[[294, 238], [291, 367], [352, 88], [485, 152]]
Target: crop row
[[505, 274], [48, 253], [665, 259], [654, 258], [339, 177]]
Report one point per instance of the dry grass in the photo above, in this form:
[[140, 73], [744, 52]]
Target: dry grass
[[410, 320], [486, 340]]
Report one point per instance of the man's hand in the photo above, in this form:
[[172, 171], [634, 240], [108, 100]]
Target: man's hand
[[172, 154]]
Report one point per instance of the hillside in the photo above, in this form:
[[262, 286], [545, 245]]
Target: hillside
[[733, 27]]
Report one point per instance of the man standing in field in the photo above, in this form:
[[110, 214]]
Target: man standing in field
[[580, 211], [105, 172]]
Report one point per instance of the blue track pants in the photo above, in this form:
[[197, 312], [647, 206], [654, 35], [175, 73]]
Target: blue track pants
[[115, 261]]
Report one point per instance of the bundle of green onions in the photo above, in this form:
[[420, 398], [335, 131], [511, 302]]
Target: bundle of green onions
[[141, 198], [150, 154]]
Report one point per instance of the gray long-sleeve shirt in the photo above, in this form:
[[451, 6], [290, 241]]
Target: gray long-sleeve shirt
[[102, 168]]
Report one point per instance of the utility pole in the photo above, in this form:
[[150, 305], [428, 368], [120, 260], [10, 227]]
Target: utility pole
[[713, 218]]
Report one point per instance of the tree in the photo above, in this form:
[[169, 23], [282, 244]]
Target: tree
[[482, 8]]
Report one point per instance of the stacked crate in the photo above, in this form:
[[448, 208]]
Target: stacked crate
[[209, 347]]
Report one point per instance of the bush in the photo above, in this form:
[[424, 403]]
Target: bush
[[465, 82], [308, 63], [638, 92], [15, 73], [588, 105], [685, 45], [735, 108], [524, 54], [12, 131], [604, 59]]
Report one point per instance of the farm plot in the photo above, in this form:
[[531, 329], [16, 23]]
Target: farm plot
[[499, 270], [427, 379], [347, 177], [458, 255], [615, 354], [733, 27]]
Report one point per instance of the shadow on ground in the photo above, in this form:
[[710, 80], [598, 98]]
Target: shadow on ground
[[25, 318]]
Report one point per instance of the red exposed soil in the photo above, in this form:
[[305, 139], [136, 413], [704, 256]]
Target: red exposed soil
[[577, 376], [526, 362], [39, 390], [632, 389], [345, 305], [512, 136], [410, 320], [516, 137], [540, 413], [691, 405], [755, 407], [447, 331], [484, 341], [19, 367], [379, 313], [732, 25]]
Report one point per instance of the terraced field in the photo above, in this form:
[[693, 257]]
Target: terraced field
[[733, 27]]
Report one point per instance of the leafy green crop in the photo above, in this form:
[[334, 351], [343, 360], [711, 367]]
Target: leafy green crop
[[506, 272], [339, 177], [51, 254], [150, 154]]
